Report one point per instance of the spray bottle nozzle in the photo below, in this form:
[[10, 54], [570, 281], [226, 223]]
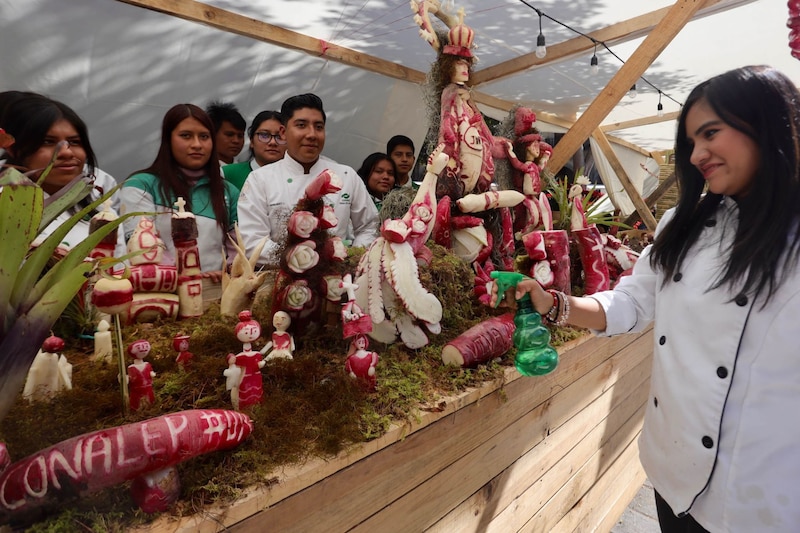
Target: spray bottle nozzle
[[505, 281]]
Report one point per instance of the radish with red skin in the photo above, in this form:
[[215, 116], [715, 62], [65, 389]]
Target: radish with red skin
[[112, 295], [556, 244], [593, 260], [481, 343], [104, 458]]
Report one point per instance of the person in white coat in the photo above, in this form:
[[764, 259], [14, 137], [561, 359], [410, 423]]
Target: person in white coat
[[271, 192], [720, 442]]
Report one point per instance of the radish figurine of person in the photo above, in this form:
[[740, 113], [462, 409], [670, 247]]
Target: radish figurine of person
[[50, 372], [282, 343], [140, 376], [361, 363], [250, 362], [180, 343]]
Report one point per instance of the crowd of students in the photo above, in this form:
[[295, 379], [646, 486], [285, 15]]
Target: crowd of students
[[196, 161]]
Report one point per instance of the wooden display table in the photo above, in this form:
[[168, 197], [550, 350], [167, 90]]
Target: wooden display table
[[551, 453]]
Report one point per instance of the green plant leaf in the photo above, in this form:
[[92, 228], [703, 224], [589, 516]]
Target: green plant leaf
[[37, 260], [21, 208], [69, 195], [74, 259]]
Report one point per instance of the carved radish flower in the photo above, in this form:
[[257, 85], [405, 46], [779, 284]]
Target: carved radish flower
[[542, 273], [297, 295], [326, 182], [334, 288], [338, 249], [302, 224], [302, 257], [328, 219]]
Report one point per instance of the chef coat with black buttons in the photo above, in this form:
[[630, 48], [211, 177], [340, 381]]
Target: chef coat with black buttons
[[721, 436]]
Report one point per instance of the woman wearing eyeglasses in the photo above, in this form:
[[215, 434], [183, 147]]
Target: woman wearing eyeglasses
[[267, 145]]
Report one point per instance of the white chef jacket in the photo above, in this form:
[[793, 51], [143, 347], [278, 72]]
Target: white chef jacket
[[103, 183], [721, 438], [271, 192]]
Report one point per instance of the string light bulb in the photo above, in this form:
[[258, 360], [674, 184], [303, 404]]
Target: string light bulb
[[593, 64], [541, 47], [632, 93], [660, 108]]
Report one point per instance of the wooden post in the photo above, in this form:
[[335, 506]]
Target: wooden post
[[679, 14], [651, 200], [641, 208]]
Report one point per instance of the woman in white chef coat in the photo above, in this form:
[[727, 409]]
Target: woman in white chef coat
[[721, 442]]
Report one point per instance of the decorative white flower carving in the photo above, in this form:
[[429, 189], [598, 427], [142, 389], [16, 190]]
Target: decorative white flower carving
[[297, 295], [302, 257], [543, 274], [334, 288], [302, 224]]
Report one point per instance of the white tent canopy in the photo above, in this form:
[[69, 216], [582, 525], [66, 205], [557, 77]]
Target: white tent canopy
[[121, 65]]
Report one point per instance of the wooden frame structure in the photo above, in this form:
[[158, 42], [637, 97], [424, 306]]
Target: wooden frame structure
[[660, 27]]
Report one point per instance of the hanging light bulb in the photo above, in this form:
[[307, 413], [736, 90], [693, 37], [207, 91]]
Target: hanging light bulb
[[660, 108], [541, 48], [595, 68], [632, 93]]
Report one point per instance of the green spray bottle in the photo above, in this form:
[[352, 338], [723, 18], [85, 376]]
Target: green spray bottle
[[535, 356]]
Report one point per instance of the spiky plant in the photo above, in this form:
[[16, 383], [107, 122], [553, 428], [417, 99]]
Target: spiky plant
[[559, 191], [33, 296]]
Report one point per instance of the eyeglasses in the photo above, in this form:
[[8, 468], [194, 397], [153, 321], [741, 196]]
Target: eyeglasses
[[265, 136]]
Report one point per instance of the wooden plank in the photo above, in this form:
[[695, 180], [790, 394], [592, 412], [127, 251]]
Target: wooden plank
[[618, 33], [641, 208], [626, 471], [423, 504], [229, 21], [577, 358], [607, 522], [644, 121], [346, 499], [568, 506], [537, 474], [655, 42], [579, 479]]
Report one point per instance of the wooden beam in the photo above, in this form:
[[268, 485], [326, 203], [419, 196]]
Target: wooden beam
[[254, 29], [652, 46], [641, 208], [499, 103], [620, 32], [654, 197], [644, 121]]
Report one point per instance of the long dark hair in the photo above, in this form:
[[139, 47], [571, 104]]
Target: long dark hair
[[763, 104], [369, 164], [29, 116], [172, 181]]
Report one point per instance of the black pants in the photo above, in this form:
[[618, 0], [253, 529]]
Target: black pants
[[672, 524]]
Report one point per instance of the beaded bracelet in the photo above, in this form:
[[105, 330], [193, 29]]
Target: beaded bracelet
[[559, 312], [552, 315], [553, 311], [564, 314]]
